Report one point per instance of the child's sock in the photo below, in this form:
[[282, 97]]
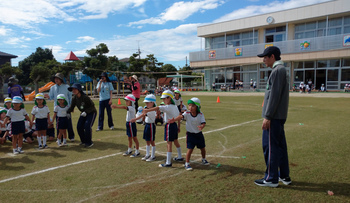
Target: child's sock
[[153, 151], [147, 150], [64, 140], [203, 159], [186, 164], [129, 149], [136, 151], [179, 153], [39, 140], [168, 157], [44, 140]]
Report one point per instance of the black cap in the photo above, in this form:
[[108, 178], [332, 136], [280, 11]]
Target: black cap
[[76, 86], [104, 74], [271, 50]]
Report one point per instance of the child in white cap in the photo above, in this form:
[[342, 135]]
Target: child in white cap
[[60, 112], [171, 130], [178, 99], [195, 122], [17, 114], [150, 127], [131, 130], [41, 115]]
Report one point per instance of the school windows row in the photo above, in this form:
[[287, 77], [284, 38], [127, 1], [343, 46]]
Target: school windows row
[[333, 73]]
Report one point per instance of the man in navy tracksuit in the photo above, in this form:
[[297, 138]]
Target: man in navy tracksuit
[[274, 112]]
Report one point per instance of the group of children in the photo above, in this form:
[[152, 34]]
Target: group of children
[[173, 112], [16, 124], [13, 119]]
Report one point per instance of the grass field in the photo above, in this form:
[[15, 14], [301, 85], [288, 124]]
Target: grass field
[[318, 138]]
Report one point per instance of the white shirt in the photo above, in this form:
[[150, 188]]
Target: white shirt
[[170, 111], [177, 101], [151, 117], [61, 111], [137, 115], [16, 115], [130, 114], [192, 122], [40, 112], [2, 128]]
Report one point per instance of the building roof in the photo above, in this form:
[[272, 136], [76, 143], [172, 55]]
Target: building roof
[[71, 57], [3, 54]]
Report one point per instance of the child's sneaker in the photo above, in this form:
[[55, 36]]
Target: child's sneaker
[[15, 152], [286, 181], [135, 155], [178, 159], [188, 167], [145, 158], [45, 146], [40, 146], [151, 159], [205, 162], [127, 153], [20, 150], [64, 144], [59, 144], [165, 165]]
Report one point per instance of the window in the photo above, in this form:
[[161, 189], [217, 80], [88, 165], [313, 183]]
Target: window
[[345, 75], [309, 64], [299, 76], [346, 62], [333, 75], [298, 65], [241, 39], [275, 34], [334, 63], [321, 64]]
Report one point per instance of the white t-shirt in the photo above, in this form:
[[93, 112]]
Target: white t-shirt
[[61, 111], [27, 125], [40, 112], [16, 115], [137, 115], [151, 117], [170, 111], [2, 128], [192, 122], [177, 101], [130, 114]]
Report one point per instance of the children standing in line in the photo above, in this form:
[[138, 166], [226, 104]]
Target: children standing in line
[[150, 127], [171, 130], [17, 114], [3, 113], [195, 122], [131, 131], [60, 112], [178, 100], [41, 115]]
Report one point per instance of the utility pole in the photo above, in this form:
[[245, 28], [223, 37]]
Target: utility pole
[[138, 50], [186, 61]]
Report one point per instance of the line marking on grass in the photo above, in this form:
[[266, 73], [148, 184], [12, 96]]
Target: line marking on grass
[[111, 155]]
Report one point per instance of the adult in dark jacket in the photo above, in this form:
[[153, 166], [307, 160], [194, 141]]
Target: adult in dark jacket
[[88, 114], [274, 112]]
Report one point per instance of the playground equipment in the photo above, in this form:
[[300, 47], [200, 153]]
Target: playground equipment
[[31, 96]]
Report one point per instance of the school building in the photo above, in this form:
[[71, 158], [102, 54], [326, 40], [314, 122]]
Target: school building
[[314, 42]]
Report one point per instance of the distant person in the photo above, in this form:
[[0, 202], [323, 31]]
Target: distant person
[[61, 88], [41, 116], [322, 88], [275, 112], [105, 90], [60, 113], [136, 89], [213, 86], [302, 87], [88, 114], [15, 89]]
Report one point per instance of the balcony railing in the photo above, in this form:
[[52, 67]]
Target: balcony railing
[[287, 47]]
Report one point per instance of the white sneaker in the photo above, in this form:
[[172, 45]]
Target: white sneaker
[[15, 152], [112, 128], [145, 158], [151, 159], [20, 150]]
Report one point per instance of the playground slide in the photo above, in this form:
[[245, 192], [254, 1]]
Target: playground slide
[[31, 96]]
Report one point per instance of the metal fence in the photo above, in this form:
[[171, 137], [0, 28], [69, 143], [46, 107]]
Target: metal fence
[[287, 47]]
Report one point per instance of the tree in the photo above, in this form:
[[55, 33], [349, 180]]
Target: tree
[[118, 66], [96, 62], [42, 71], [153, 65], [7, 71], [68, 68], [40, 55], [136, 65]]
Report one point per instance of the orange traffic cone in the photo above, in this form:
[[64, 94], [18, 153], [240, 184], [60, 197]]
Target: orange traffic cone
[[218, 100], [119, 103]]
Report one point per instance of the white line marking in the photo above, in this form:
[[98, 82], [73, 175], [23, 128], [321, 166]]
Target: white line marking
[[111, 155]]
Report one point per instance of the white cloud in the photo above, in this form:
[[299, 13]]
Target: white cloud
[[17, 40], [271, 7], [4, 31], [180, 11]]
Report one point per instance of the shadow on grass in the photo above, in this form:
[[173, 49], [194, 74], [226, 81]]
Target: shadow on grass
[[99, 145], [342, 189], [5, 167]]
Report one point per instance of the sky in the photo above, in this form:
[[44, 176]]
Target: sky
[[165, 28]]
